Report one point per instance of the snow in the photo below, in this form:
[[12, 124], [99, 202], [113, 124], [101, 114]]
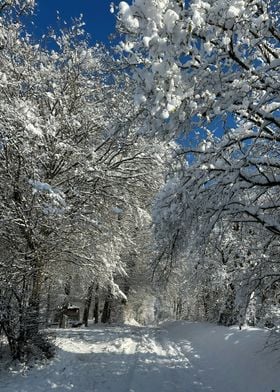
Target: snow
[[146, 41], [170, 19], [129, 20], [112, 8], [3, 79], [40, 186], [199, 8], [139, 99], [236, 9], [233, 11], [117, 210], [165, 114], [175, 356], [208, 47], [35, 129]]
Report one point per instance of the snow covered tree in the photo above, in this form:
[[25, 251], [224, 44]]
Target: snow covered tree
[[70, 159], [207, 60], [207, 74], [212, 65]]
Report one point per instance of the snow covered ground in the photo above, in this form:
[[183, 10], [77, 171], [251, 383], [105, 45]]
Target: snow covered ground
[[176, 356]]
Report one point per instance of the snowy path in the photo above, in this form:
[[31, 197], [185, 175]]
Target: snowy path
[[178, 356]]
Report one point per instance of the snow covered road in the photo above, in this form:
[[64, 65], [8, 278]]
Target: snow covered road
[[177, 356]]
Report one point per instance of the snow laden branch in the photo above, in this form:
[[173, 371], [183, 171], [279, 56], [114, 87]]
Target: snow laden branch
[[207, 74], [213, 63], [207, 60]]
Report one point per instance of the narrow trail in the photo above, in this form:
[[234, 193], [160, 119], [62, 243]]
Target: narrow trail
[[176, 356]]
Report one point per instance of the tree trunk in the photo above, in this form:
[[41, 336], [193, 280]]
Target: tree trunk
[[229, 314], [96, 305], [179, 308], [87, 304], [120, 306], [33, 311], [106, 314], [48, 307], [206, 301], [65, 304]]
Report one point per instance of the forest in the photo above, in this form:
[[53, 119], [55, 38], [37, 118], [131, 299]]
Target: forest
[[139, 182]]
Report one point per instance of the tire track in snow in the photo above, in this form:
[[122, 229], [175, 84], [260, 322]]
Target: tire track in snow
[[157, 363]]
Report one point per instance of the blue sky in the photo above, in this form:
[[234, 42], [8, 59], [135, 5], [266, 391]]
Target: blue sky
[[99, 21]]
